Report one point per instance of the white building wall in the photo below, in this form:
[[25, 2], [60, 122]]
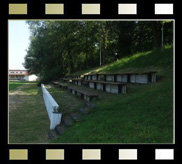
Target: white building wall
[[32, 78]]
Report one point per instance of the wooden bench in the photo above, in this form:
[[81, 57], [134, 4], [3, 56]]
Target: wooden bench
[[66, 79], [112, 87], [86, 95], [61, 85], [55, 82], [77, 81], [134, 77], [73, 77]]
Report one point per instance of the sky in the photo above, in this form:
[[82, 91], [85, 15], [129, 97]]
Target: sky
[[18, 43]]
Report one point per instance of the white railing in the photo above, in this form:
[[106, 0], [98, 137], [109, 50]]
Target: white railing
[[52, 108]]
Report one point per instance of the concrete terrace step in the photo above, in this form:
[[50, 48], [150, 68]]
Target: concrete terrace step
[[84, 111], [59, 129], [67, 121], [75, 116], [52, 134]]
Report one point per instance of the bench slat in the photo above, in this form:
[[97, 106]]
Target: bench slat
[[105, 82]]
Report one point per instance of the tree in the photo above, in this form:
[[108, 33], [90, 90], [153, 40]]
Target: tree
[[63, 47]]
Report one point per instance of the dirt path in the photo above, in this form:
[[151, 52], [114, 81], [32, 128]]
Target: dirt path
[[15, 97]]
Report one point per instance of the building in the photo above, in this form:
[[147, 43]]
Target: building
[[21, 75]]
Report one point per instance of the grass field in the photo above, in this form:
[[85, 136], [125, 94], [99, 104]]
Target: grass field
[[28, 119], [15, 84], [143, 115]]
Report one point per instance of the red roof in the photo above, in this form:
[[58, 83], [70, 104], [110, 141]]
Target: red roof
[[17, 70], [18, 74]]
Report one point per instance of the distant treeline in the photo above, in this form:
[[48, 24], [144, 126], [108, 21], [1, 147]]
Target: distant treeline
[[61, 47]]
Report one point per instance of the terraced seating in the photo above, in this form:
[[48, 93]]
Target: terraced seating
[[61, 85], [112, 87], [132, 77], [77, 81], [86, 95], [73, 77]]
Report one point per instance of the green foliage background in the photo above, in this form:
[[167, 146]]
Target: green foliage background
[[63, 47]]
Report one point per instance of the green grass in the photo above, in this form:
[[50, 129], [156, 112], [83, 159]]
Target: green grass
[[68, 103], [143, 115], [13, 85], [141, 62], [28, 119]]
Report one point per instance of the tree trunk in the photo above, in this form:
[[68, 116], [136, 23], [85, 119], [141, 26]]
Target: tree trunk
[[71, 61], [104, 49]]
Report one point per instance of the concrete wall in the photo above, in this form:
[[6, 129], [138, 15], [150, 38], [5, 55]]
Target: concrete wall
[[91, 85], [79, 83], [94, 77], [86, 98], [73, 92], [114, 89], [153, 78], [108, 88], [109, 77], [123, 89], [122, 78], [52, 108], [99, 87], [143, 79], [132, 78]]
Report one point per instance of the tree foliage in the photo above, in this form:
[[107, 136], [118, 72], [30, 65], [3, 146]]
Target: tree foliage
[[61, 47]]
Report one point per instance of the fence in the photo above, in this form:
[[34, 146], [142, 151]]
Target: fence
[[52, 108]]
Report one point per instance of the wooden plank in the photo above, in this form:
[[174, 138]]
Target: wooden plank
[[105, 82], [83, 92]]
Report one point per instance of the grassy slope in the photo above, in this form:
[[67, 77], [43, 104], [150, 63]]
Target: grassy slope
[[145, 61], [143, 115]]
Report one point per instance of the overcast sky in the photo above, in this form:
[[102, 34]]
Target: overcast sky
[[18, 43]]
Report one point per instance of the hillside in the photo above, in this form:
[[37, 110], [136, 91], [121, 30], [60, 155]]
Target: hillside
[[143, 115]]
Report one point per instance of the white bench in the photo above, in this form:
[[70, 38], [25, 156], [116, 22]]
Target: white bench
[[52, 108]]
